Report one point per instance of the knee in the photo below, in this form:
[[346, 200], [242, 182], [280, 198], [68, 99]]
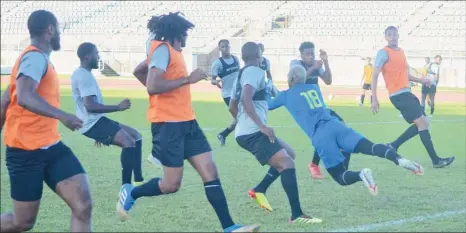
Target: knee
[[170, 187], [422, 123], [282, 161], [291, 153], [128, 142], [83, 210], [25, 224]]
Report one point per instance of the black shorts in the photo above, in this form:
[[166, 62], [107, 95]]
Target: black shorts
[[408, 105], [333, 113], [366, 86], [429, 90], [173, 142], [103, 131], [260, 146], [227, 101], [29, 169]]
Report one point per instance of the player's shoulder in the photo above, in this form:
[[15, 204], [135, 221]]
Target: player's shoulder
[[35, 56], [253, 72], [295, 62]]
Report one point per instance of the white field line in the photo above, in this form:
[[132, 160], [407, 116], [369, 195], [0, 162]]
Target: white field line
[[422, 218]]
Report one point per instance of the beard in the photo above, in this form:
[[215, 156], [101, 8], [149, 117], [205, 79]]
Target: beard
[[94, 64], [55, 43]]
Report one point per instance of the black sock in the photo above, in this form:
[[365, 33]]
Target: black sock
[[148, 189], [217, 199], [269, 178], [226, 132], [138, 162], [432, 110], [408, 134], [342, 176], [427, 141], [380, 150], [290, 185], [362, 98], [127, 163], [347, 159], [316, 158]]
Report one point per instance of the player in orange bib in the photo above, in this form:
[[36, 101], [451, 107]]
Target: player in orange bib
[[34, 151], [391, 62], [176, 135]]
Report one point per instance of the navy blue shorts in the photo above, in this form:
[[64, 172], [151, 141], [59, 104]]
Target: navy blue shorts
[[429, 90], [333, 137], [408, 105], [103, 131], [260, 146], [29, 169], [173, 142]]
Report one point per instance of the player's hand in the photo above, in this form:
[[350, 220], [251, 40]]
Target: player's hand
[[323, 55], [196, 76], [269, 132], [124, 105], [219, 84], [426, 81], [71, 122], [98, 144], [375, 105], [317, 65]]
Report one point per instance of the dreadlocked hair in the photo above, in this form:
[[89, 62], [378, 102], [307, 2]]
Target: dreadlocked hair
[[169, 27]]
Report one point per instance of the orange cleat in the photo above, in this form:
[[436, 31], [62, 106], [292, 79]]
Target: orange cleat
[[315, 171]]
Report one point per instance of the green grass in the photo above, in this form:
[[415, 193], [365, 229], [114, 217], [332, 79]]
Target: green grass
[[401, 194]]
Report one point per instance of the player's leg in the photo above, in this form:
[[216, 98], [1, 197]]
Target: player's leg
[[411, 110], [137, 168], [424, 93], [363, 94], [432, 99], [168, 140], [224, 134], [274, 155], [65, 175], [109, 132], [199, 153], [272, 173], [26, 172]]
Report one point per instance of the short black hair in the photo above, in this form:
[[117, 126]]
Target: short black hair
[[85, 49], [39, 21], [390, 28], [249, 51], [223, 40], [169, 27], [306, 45], [438, 56]]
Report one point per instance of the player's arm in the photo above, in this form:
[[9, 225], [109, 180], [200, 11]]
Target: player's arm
[[141, 71], [248, 93], [418, 80], [216, 66], [5, 102], [277, 101], [92, 106], [267, 69], [327, 75], [31, 70]]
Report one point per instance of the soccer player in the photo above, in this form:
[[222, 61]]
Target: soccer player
[[314, 70], [226, 68], [329, 135], [391, 62], [34, 150], [265, 63], [91, 108], [432, 73], [249, 106], [176, 135], [367, 79]]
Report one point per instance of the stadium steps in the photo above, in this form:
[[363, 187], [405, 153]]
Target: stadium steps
[[107, 70], [427, 10]]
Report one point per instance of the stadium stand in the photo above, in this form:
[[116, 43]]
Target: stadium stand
[[348, 30]]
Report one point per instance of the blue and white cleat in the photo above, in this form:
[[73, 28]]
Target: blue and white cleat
[[125, 202], [241, 228]]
